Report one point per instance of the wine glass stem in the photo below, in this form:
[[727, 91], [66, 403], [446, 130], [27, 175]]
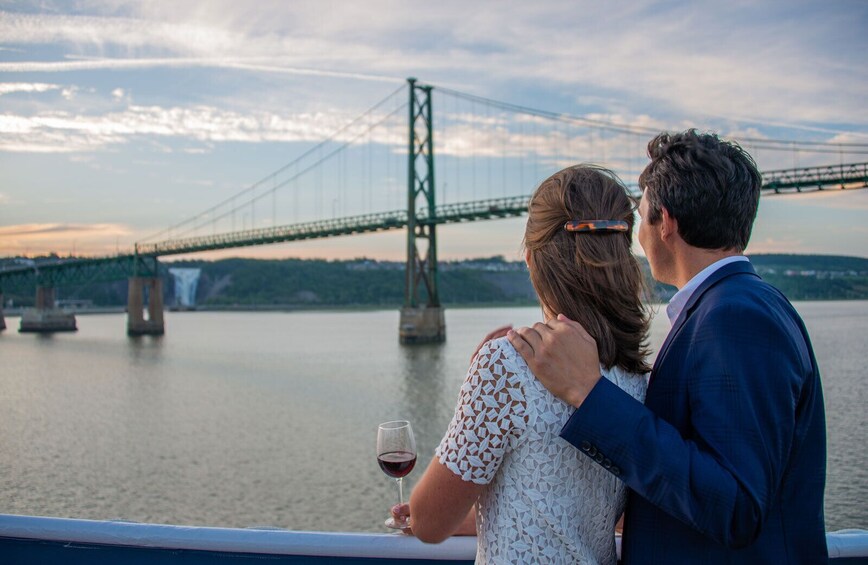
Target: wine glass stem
[[400, 489]]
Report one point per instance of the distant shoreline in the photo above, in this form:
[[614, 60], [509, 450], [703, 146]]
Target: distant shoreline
[[16, 312], [364, 284]]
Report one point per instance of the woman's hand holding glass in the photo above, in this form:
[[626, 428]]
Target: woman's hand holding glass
[[396, 455]]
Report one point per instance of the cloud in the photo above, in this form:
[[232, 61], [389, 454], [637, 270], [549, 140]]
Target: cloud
[[189, 182], [851, 200], [84, 239], [839, 136], [60, 131], [10, 87], [777, 245], [255, 64], [690, 60], [461, 135], [40, 229], [103, 31]]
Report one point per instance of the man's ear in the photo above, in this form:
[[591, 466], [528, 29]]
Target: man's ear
[[668, 224]]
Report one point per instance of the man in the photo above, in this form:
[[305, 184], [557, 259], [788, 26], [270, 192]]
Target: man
[[726, 459]]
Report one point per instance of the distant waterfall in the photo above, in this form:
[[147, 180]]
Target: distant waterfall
[[186, 281]]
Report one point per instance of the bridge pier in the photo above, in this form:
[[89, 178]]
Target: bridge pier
[[2, 319], [136, 322], [45, 318], [422, 319], [424, 324]]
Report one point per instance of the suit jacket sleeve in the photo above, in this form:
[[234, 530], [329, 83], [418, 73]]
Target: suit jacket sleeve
[[743, 370]]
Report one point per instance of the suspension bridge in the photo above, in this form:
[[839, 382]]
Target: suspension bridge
[[490, 155]]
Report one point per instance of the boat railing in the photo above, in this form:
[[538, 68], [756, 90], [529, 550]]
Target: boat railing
[[37, 539]]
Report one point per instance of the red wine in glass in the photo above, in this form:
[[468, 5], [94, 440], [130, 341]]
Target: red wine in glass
[[397, 464], [396, 455]]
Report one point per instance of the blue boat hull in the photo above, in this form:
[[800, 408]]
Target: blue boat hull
[[28, 552]]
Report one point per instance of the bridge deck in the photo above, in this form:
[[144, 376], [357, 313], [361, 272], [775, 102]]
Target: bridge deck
[[143, 261]]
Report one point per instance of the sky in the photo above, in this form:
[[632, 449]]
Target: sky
[[121, 119]]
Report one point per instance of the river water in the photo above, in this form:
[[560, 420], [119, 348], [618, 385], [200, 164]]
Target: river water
[[270, 418]]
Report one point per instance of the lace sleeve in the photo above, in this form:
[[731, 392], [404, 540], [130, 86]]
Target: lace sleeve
[[491, 413]]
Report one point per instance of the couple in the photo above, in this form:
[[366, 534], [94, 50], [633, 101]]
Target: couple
[[721, 461]]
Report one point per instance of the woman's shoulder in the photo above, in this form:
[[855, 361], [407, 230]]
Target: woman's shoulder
[[499, 359], [634, 384], [502, 349]]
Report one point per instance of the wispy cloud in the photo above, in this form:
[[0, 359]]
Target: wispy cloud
[[778, 245], [839, 136], [852, 200], [84, 239], [28, 230], [11, 87], [461, 135], [69, 132], [642, 53], [102, 31], [257, 65]]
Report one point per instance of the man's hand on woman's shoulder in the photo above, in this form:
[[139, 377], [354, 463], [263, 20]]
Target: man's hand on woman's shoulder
[[493, 334], [562, 356]]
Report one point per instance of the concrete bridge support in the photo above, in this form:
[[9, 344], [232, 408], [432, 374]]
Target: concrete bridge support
[[45, 297], [2, 319], [423, 324], [136, 322], [45, 318]]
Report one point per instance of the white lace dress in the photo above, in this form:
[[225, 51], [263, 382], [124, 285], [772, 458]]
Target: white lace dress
[[546, 502]]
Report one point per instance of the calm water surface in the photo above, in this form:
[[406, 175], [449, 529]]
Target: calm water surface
[[270, 419]]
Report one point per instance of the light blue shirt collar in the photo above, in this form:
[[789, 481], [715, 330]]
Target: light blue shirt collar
[[676, 305]]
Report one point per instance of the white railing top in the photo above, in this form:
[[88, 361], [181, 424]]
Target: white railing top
[[243, 540], [841, 544]]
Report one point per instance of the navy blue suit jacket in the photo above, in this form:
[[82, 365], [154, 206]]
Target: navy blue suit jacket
[[726, 461]]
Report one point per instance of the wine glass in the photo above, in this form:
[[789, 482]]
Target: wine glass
[[396, 454]]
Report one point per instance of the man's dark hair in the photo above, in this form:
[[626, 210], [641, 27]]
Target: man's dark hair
[[709, 186]]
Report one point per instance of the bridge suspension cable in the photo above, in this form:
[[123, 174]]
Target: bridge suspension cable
[[311, 167], [345, 133], [768, 143], [485, 149]]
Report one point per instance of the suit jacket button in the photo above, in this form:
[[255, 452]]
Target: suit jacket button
[[607, 463], [592, 451], [599, 458], [615, 470], [586, 445]]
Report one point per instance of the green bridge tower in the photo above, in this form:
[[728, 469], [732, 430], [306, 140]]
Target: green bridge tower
[[422, 319]]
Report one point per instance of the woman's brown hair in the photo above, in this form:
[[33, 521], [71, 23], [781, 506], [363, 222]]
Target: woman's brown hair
[[590, 277]]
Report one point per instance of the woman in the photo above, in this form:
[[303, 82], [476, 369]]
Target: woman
[[537, 499]]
